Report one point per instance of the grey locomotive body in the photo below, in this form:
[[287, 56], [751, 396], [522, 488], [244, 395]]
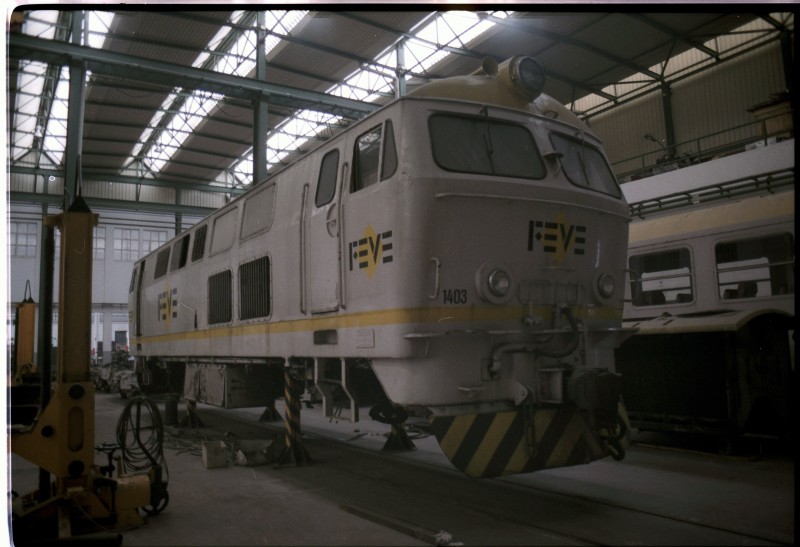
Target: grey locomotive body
[[466, 248]]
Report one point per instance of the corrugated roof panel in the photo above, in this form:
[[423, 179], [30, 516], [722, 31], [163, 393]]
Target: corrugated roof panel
[[328, 46]]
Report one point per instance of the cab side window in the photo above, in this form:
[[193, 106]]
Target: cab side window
[[326, 184], [366, 159], [374, 157]]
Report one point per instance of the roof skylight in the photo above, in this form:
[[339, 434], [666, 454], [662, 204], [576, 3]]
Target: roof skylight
[[239, 60], [40, 114], [447, 29]]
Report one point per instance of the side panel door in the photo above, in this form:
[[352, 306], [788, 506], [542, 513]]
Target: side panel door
[[323, 233]]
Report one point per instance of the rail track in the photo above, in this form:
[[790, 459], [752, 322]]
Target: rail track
[[654, 497], [355, 494]]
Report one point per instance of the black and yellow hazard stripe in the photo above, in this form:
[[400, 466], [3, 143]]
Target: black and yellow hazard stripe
[[518, 441], [294, 452]]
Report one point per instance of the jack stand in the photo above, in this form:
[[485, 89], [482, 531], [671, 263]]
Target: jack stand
[[270, 413], [192, 418], [398, 440], [294, 453], [395, 416]]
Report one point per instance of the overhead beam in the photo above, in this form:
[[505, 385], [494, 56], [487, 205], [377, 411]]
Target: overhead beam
[[515, 23], [130, 67], [647, 20], [113, 204], [98, 176]]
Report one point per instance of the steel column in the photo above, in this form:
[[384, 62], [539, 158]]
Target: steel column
[[44, 355], [260, 105], [400, 71], [77, 91], [669, 125]]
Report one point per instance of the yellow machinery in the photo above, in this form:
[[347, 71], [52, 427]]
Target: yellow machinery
[[24, 337], [82, 498]]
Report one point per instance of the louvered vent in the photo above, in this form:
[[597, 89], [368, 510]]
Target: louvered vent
[[219, 298], [254, 289]]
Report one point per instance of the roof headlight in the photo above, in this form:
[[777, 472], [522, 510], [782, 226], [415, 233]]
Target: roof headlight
[[499, 282], [527, 76]]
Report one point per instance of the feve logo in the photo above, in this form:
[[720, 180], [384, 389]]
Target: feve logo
[[369, 251], [168, 305], [557, 237]]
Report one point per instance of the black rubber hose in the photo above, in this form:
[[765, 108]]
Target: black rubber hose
[[573, 343]]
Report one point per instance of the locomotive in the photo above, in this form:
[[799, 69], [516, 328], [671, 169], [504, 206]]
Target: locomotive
[[458, 254], [712, 296]]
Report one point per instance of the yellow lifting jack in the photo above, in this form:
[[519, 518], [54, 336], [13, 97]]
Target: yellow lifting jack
[[83, 498]]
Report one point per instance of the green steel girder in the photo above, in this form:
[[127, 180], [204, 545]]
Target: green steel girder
[[112, 204], [142, 69], [99, 176]]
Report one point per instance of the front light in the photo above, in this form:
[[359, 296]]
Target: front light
[[606, 285], [528, 76], [499, 282]]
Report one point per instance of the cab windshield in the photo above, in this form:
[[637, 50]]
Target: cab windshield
[[585, 165], [481, 146]]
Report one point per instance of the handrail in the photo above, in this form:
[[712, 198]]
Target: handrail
[[691, 152], [769, 182]]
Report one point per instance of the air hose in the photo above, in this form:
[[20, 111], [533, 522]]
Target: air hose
[[140, 435], [574, 340], [572, 345]]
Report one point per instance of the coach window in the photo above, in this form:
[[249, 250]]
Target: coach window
[[585, 165], [663, 278], [483, 146], [755, 267], [326, 183]]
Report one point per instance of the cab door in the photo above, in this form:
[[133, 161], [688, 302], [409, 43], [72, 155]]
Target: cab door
[[323, 234], [136, 285]]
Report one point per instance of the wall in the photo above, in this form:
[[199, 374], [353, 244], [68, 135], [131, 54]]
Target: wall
[[715, 100], [111, 270]]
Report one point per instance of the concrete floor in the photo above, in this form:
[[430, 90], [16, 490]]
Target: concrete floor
[[356, 495]]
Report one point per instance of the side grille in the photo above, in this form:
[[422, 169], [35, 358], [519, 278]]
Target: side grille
[[254, 289], [219, 298], [551, 293]]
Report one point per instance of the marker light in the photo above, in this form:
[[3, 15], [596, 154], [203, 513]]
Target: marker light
[[499, 282], [605, 285]]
